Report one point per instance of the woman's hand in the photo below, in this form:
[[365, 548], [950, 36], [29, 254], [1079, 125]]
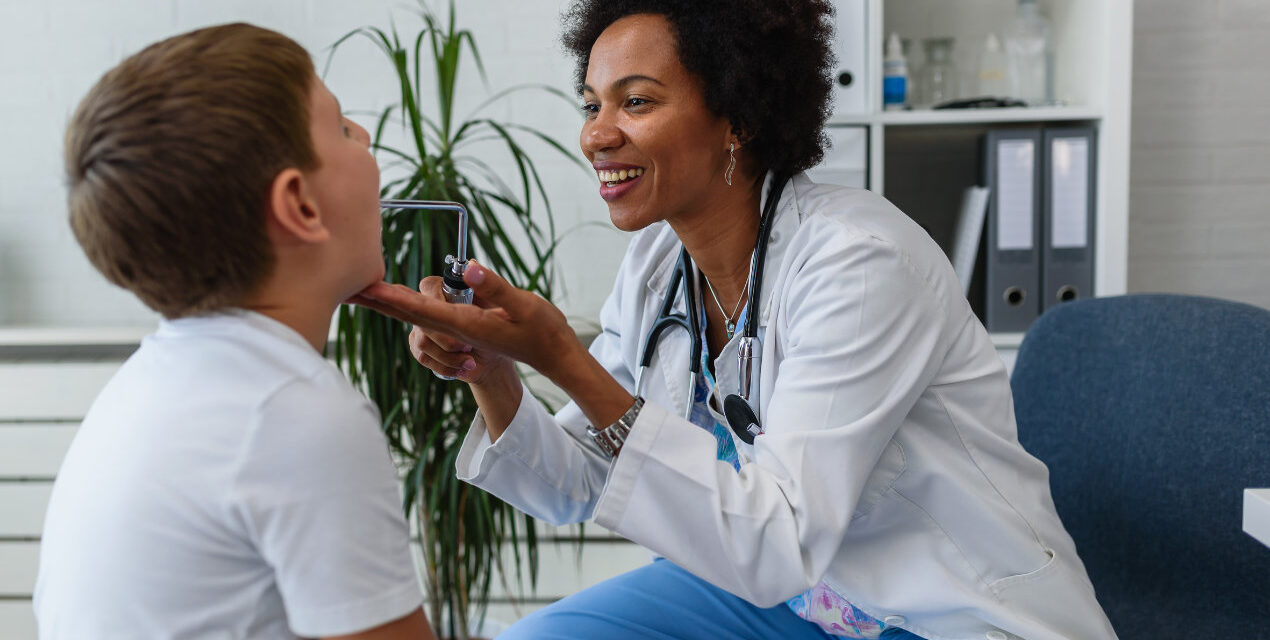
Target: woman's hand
[[502, 322], [507, 321], [449, 357]]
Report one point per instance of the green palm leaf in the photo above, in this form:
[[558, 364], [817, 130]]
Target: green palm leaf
[[462, 530]]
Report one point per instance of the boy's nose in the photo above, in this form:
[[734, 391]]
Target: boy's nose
[[361, 134]]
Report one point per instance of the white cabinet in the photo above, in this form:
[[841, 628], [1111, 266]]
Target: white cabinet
[[923, 159], [846, 162]]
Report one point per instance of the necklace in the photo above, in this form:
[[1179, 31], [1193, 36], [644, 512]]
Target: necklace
[[727, 317]]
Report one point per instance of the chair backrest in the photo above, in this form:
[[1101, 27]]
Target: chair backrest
[[1153, 414]]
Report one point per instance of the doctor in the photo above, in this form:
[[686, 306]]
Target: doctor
[[887, 495]]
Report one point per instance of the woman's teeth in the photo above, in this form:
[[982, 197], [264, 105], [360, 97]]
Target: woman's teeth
[[610, 178]]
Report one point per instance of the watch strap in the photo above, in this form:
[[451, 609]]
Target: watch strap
[[611, 438]]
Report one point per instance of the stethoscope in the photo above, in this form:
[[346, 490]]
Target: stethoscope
[[738, 408]]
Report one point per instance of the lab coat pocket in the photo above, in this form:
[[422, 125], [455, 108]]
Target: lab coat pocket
[[1051, 593], [891, 464], [1050, 565]]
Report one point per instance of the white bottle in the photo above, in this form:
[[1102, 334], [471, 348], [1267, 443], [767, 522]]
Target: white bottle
[[992, 69], [1027, 43], [894, 75]]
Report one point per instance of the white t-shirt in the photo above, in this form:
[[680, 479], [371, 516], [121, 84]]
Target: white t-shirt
[[227, 483]]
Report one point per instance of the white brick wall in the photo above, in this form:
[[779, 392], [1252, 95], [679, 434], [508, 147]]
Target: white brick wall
[[1200, 167], [52, 51]]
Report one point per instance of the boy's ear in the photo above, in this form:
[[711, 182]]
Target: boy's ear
[[293, 209]]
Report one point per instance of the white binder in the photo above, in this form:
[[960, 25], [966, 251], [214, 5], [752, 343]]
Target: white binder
[[850, 30], [965, 244]]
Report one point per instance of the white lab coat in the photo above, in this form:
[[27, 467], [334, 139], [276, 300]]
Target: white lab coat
[[890, 466]]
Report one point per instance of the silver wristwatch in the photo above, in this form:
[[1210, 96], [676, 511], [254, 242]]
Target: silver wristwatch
[[611, 438]]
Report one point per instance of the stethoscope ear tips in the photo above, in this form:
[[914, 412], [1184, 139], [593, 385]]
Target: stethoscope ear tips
[[741, 418]]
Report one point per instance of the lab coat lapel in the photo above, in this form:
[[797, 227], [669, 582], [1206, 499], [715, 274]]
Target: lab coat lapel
[[673, 350], [788, 218], [672, 358], [784, 227]]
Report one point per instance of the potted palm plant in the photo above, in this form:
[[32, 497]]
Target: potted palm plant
[[462, 529]]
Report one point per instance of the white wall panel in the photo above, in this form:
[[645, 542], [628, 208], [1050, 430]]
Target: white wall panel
[[1199, 218], [42, 391], [33, 450], [18, 564], [17, 620], [22, 507]]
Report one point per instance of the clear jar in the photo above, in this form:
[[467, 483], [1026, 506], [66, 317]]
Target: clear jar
[[937, 79], [1031, 58]]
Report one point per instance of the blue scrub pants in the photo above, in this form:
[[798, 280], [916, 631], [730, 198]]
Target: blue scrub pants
[[664, 602]]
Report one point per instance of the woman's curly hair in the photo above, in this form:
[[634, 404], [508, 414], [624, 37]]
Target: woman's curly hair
[[765, 65]]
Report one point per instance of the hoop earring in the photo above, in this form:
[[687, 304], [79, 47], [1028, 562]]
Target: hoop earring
[[727, 175]]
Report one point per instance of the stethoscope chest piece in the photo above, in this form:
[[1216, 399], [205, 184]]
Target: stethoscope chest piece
[[741, 418]]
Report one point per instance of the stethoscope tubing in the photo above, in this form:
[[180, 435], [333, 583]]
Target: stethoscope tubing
[[741, 415]]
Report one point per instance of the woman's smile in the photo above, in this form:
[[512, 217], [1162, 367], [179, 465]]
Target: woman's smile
[[616, 180]]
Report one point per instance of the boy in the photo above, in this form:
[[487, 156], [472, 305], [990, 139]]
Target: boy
[[228, 481]]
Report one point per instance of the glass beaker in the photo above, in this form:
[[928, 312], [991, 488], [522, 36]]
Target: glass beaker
[[1028, 46], [937, 79]]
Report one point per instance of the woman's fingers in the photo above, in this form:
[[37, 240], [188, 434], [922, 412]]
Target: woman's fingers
[[442, 369], [491, 289], [431, 312], [442, 361], [448, 359], [405, 304], [419, 335], [441, 347], [415, 341], [366, 300]]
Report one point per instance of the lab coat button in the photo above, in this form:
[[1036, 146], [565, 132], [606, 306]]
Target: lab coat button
[[995, 635], [894, 621]]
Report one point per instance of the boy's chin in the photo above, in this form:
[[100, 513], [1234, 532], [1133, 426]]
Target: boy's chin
[[352, 297], [373, 279]]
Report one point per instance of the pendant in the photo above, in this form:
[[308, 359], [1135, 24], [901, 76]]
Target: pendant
[[731, 328]]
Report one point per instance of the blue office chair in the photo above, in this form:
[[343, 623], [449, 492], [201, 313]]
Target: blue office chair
[[1153, 414]]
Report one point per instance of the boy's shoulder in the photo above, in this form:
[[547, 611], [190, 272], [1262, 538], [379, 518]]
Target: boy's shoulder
[[236, 333], [247, 351], [226, 372], [236, 393]]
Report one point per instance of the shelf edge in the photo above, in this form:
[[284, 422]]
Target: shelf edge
[[926, 117]]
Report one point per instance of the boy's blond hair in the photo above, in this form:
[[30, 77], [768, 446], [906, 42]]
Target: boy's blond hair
[[170, 159]]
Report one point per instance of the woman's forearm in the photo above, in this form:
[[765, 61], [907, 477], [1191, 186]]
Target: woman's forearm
[[601, 398], [498, 397]]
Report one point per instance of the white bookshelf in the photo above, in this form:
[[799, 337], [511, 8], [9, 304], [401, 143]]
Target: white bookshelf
[[89, 336], [1092, 76], [919, 117]]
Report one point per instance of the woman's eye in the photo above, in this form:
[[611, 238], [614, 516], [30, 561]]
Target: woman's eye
[[590, 109], [636, 102]]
